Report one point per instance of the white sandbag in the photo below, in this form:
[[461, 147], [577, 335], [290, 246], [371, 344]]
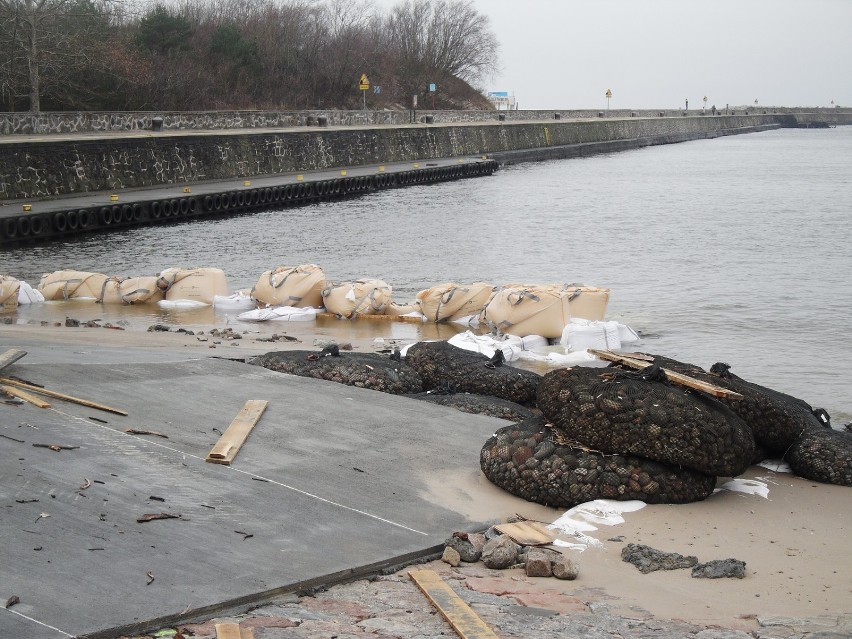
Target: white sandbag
[[466, 320], [627, 335], [181, 304], [197, 284], [238, 301], [28, 295], [450, 301], [362, 297], [297, 286], [279, 314], [9, 291], [130, 290], [487, 345], [581, 334], [532, 342], [65, 285]]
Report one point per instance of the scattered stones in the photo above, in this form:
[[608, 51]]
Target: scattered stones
[[71, 322], [648, 559], [275, 337], [565, 568], [538, 563], [468, 551], [225, 333], [719, 568], [500, 552], [158, 328], [451, 556]]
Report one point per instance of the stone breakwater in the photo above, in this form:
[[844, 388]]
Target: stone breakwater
[[46, 167]]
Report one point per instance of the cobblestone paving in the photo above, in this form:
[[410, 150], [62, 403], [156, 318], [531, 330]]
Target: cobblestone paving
[[511, 604]]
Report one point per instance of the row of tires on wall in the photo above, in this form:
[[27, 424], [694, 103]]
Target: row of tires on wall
[[58, 223]]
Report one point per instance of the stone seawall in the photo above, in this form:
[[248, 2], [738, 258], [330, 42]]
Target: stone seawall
[[93, 122], [50, 168]]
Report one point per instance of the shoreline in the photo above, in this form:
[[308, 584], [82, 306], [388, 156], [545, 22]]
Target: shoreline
[[796, 542]]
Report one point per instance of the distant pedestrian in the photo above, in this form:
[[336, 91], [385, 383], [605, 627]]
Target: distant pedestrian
[[714, 109], [687, 104]]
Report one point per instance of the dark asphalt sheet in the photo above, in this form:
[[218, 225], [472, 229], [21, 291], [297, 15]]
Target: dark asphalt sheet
[[332, 478]]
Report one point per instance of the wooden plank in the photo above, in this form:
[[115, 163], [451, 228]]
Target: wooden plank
[[232, 439], [67, 398], [466, 623], [677, 378], [528, 533], [24, 395], [10, 357]]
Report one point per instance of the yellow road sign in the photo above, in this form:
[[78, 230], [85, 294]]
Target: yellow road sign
[[364, 82]]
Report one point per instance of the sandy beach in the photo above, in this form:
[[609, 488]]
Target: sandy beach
[[793, 534]]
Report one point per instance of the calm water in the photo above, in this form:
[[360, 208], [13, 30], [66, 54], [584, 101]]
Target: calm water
[[737, 249]]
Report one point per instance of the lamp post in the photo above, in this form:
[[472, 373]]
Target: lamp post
[[608, 96], [705, 103]]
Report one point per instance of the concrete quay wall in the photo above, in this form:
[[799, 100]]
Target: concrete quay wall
[[94, 121], [45, 168]]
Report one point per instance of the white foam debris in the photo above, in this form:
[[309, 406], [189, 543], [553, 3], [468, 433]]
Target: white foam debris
[[587, 517], [777, 465], [747, 486], [181, 304]]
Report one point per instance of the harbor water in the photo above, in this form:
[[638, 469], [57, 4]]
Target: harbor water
[[737, 249]]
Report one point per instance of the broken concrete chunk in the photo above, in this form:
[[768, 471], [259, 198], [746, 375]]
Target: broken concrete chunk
[[648, 559], [451, 556], [538, 564], [719, 568], [500, 552]]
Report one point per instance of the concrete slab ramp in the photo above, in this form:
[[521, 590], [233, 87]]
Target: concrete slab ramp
[[331, 481]]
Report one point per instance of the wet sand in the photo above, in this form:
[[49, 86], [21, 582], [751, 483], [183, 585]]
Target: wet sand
[[796, 541]]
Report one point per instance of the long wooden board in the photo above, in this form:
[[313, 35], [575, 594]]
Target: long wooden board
[[67, 398], [466, 623], [24, 395], [528, 533], [375, 318], [10, 357], [677, 378], [233, 438]]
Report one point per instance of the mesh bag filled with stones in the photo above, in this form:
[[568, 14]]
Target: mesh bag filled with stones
[[614, 413], [524, 460], [442, 365], [776, 420], [823, 455], [364, 370], [479, 405]]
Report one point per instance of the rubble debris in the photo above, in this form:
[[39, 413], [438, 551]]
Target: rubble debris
[[155, 516], [648, 559], [720, 568], [56, 447], [11, 601], [500, 552], [136, 431]]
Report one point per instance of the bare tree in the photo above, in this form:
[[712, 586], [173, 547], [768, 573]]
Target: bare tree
[[51, 39]]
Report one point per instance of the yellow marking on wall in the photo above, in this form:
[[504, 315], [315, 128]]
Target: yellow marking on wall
[[547, 136]]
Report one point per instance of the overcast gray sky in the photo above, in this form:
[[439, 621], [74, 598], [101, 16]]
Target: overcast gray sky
[[657, 53]]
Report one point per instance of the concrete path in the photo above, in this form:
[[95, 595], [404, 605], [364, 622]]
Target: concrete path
[[332, 480]]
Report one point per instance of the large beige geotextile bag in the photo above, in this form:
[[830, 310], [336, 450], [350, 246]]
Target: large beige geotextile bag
[[9, 288], [131, 290], [197, 284], [299, 286], [542, 310], [65, 285], [362, 297], [447, 302]]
